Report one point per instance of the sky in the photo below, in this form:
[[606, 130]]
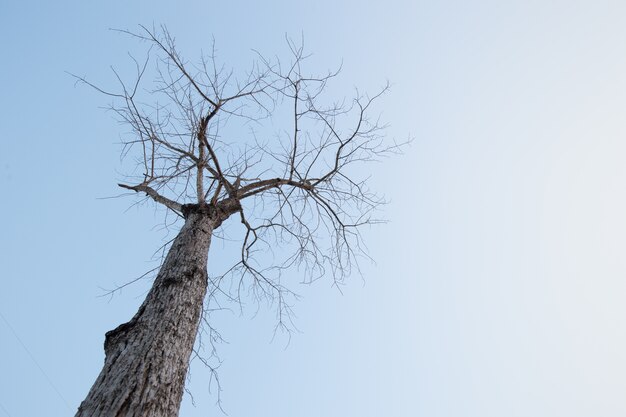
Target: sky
[[498, 283]]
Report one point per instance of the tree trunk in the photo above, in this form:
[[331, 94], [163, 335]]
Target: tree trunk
[[146, 359]]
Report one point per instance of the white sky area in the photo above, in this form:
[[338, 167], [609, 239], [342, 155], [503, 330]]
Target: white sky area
[[499, 282]]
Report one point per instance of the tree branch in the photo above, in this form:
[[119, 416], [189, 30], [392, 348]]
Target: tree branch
[[150, 192]]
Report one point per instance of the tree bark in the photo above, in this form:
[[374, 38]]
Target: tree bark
[[146, 359]]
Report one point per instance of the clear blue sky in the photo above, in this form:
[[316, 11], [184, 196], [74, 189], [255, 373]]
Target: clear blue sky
[[499, 285]]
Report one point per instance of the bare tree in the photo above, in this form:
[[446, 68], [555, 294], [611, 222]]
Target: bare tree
[[296, 191]]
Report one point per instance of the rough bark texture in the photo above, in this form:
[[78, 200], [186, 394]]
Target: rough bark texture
[[146, 359]]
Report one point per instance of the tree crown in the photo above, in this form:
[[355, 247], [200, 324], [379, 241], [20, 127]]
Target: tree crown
[[296, 190]]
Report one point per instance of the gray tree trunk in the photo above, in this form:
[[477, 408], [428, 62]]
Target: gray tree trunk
[[146, 359]]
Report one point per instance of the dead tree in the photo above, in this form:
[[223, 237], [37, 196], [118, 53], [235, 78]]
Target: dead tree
[[296, 191]]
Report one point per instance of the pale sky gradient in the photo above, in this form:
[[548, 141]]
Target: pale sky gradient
[[499, 283]]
